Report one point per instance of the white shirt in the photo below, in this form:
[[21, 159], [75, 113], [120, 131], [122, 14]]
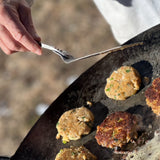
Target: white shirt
[[127, 18]]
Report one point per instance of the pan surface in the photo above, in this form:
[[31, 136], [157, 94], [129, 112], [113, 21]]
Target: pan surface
[[41, 143]]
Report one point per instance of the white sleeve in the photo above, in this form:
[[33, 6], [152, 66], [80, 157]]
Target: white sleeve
[[127, 18]]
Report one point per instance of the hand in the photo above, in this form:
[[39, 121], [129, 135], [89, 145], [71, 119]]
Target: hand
[[17, 32]]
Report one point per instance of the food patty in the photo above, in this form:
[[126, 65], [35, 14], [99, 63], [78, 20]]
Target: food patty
[[117, 129], [75, 153], [152, 95], [123, 83], [74, 123]]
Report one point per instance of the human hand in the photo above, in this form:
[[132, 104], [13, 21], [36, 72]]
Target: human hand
[[17, 32]]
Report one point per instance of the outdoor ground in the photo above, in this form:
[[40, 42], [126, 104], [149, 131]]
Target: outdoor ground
[[28, 80]]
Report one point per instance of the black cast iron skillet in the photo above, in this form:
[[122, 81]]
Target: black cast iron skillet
[[41, 144]]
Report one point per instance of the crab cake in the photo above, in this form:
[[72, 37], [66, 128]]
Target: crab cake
[[152, 95], [75, 153], [117, 129], [123, 83], [74, 123]]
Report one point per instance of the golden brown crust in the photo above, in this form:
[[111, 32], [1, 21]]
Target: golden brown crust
[[152, 95], [75, 153], [116, 130], [123, 83]]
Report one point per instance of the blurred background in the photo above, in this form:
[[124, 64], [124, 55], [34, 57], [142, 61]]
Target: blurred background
[[30, 83]]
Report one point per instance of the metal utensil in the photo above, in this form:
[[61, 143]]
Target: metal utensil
[[68, 58]]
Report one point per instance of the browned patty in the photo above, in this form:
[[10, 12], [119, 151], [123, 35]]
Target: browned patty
[[123, 83], [116, 130], [74, 123], [75, 153], [152, 95]]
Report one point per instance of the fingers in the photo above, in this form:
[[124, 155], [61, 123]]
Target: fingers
[[19, 33], [10, 45], [4, 48]]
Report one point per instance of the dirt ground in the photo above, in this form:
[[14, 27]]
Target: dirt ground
[[27, 80]]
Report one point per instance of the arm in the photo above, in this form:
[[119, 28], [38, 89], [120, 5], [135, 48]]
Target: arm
[[17, 32]]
